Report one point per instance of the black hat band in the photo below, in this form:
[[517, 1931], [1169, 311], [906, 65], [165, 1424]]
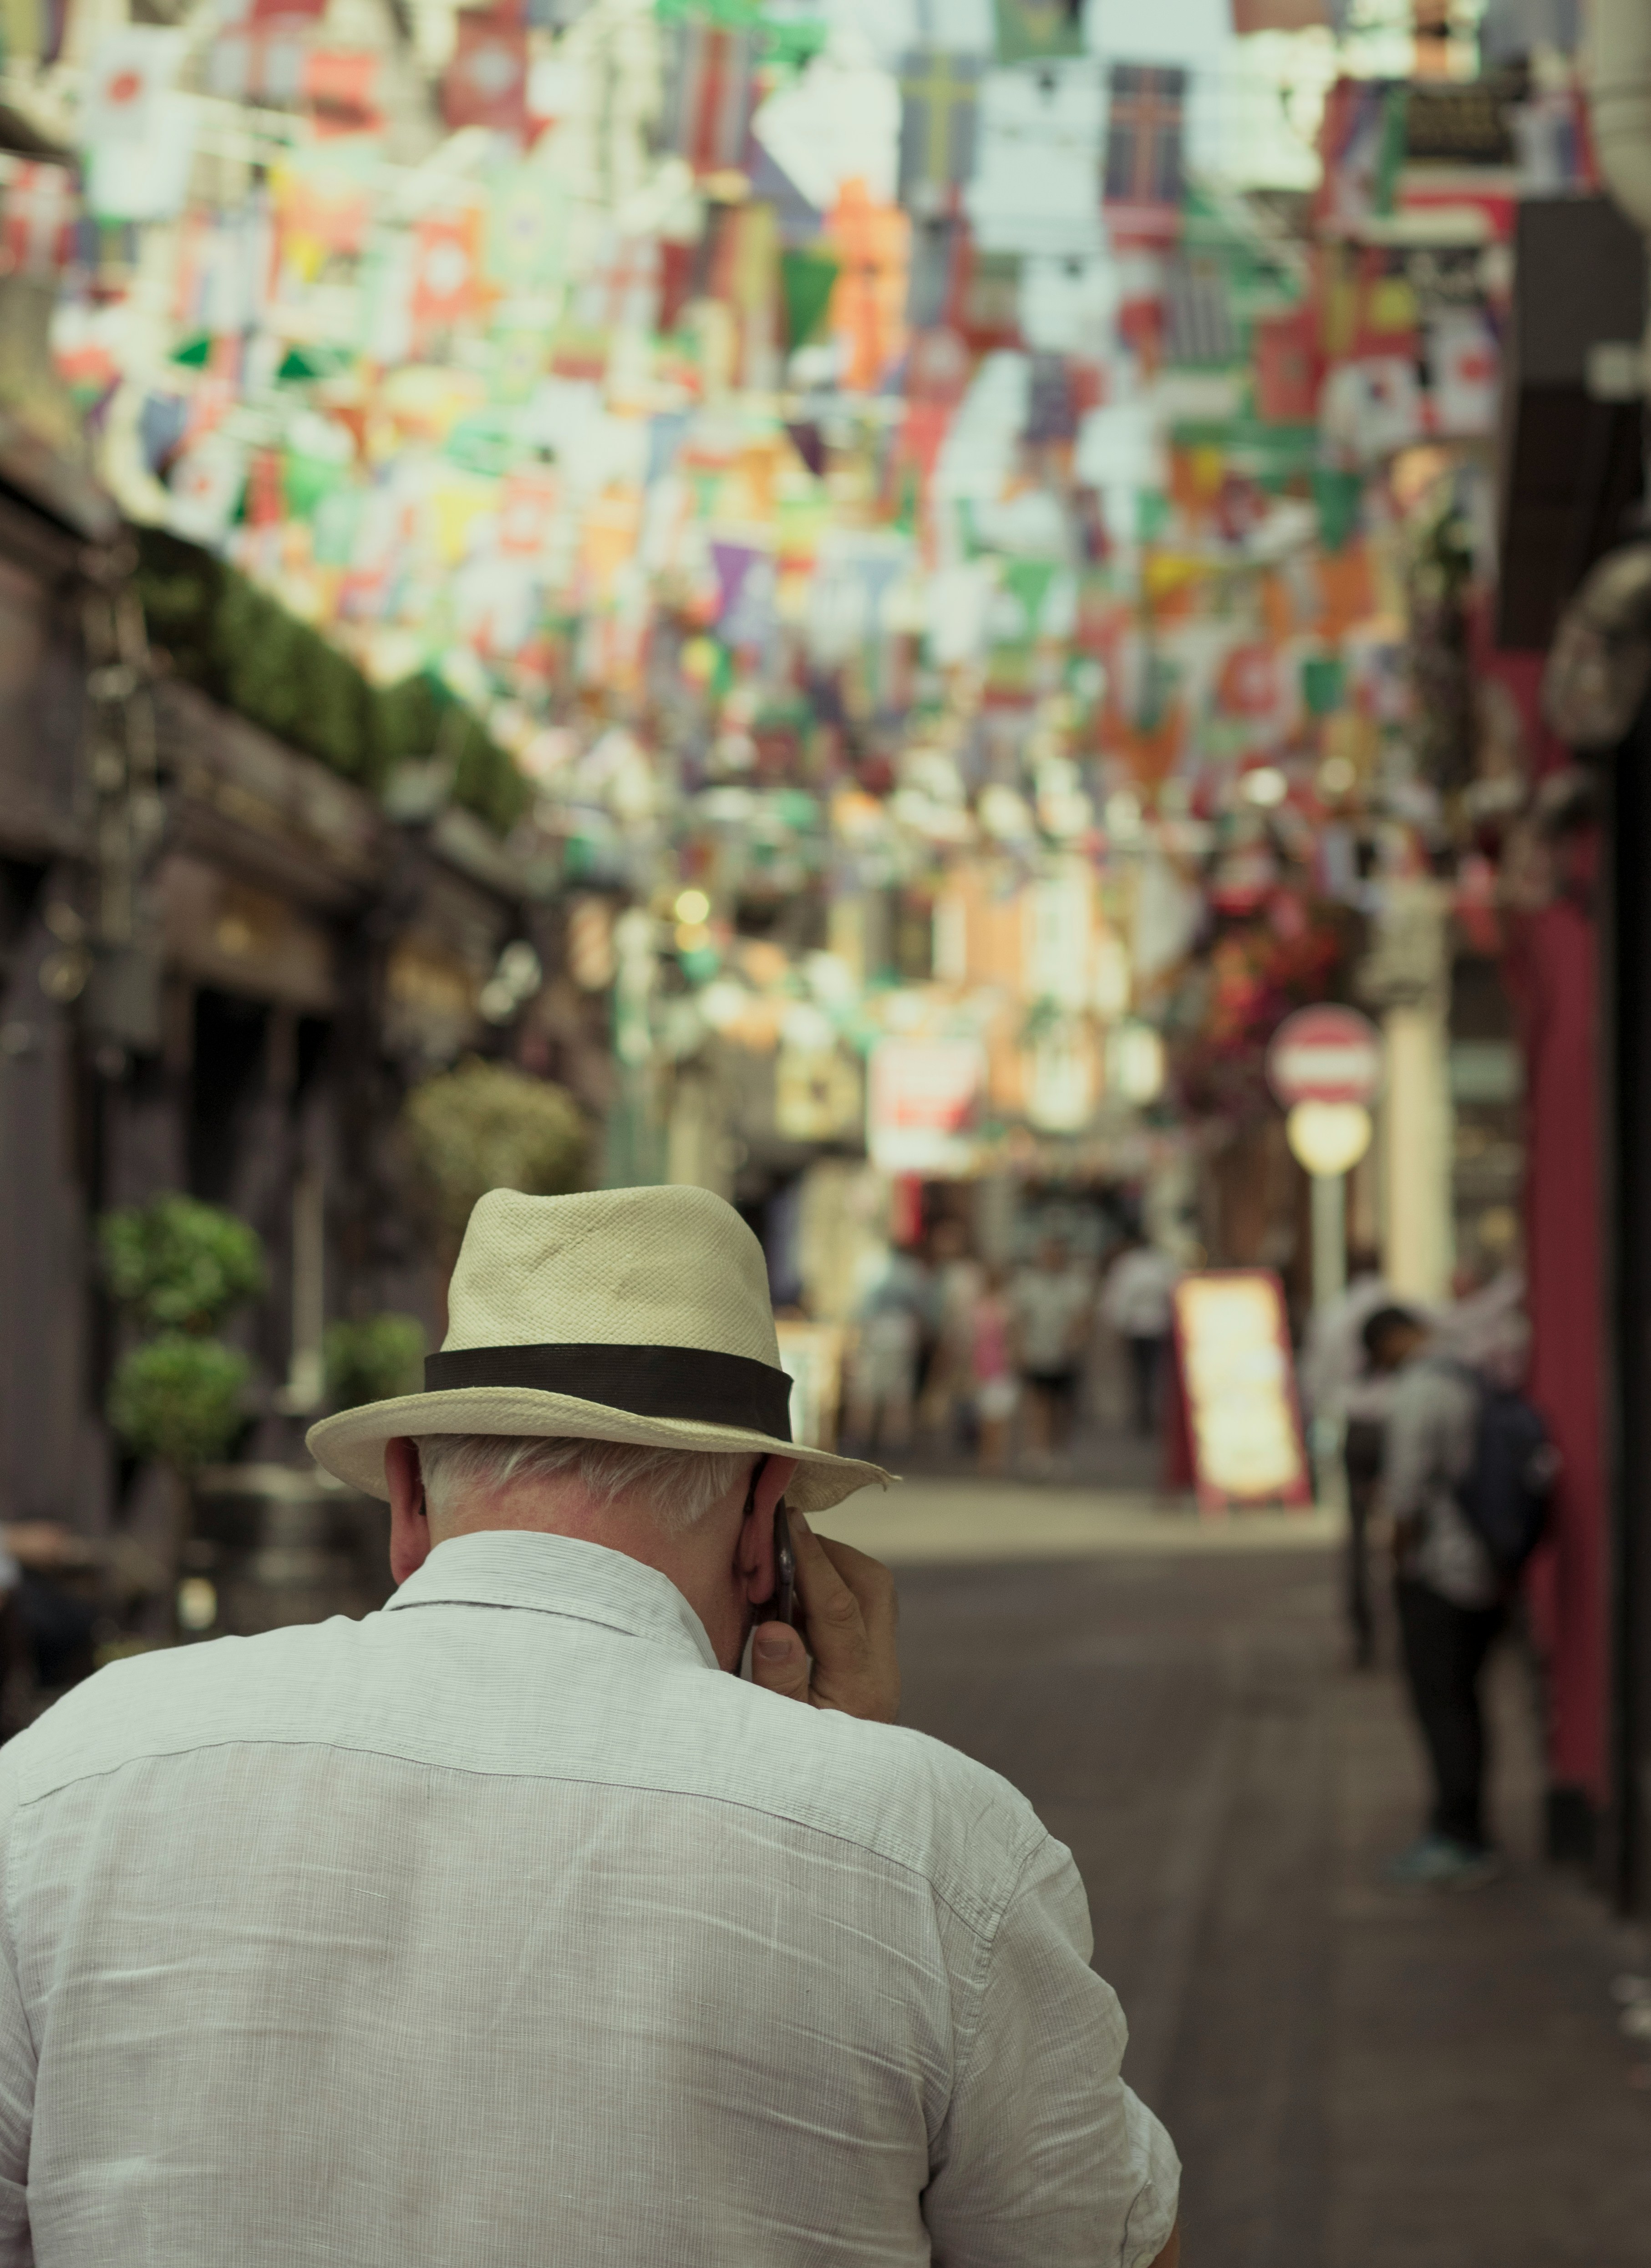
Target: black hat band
[[695, 1384]]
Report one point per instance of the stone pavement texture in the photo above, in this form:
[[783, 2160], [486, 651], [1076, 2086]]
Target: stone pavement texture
[[1356, 2077]]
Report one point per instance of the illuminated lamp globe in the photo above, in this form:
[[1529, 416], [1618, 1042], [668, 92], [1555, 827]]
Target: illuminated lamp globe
[[1328, 1137]]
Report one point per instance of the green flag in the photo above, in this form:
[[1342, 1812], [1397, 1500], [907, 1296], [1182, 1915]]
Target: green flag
[[1324, 681], [1028, 581], [806, 283]]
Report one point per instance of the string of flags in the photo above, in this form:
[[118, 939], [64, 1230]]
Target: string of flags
[[661, 369]]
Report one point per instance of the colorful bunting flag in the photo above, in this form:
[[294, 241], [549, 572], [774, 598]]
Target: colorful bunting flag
[[1361, 147], [939, 262], [1286, 360], [940, 97], [1368, 410], [130, 74], [1144, 182], [711, 95], [322, 206], [1050, 407], [621, 293], [1198, 330], [38, 212], [868, 309], [486, 83], [527, 230], [1464, 368], [988, 303], [340, 86], [807, 280], [446, 283], [1033, 190]]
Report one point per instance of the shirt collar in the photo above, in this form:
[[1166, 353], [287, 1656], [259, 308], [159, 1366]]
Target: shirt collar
[[558, 1575]]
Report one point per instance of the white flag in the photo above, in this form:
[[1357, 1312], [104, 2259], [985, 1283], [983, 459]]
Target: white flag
[[130, 75]]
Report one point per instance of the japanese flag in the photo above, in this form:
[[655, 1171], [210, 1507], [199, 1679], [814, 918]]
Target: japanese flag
[[127, 84], [1464, 364]]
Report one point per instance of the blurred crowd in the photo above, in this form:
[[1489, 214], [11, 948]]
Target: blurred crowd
[[995, 1359]]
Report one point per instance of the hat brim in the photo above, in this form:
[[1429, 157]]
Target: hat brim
[[351, 1444]]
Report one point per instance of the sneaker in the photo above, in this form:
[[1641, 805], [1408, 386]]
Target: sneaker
[[1439, 1863]]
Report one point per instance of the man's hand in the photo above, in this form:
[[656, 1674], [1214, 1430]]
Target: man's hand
[[848, 1616]]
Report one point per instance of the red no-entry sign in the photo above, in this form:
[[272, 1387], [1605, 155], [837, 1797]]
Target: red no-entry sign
[[1325, 1055]]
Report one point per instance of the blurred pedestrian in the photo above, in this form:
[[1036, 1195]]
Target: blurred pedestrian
[[1053, 1303], [1138, 1300], [513, 1924], [996, 1388], [955, 1286], [883, 1375], [1447, 1589], [1348, 1399]]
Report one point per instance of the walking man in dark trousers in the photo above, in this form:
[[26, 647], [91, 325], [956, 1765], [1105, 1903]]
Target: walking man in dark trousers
[[1449, 1594]]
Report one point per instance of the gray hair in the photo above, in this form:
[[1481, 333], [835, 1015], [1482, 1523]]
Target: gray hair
[[678, 1486]]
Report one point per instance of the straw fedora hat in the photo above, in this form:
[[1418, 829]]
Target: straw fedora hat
[[622, 1315]]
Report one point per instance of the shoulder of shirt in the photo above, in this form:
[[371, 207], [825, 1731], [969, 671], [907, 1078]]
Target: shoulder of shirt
[[895, 1793]]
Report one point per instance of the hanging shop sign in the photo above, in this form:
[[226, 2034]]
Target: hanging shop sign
[[1325, 1055], [1233, 1344], [922, 1098]]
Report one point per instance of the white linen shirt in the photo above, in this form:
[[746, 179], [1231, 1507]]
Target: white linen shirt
[[502, 1928]]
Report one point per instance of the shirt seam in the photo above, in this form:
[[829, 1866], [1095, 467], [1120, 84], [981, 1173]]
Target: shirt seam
[[990, 1916], [966, 2039]]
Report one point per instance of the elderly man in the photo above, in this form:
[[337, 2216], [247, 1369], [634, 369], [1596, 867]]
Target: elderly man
[[512, 1924]]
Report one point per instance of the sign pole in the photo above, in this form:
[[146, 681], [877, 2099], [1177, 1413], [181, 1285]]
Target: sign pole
[[1330, 1237], [1325, 1065]]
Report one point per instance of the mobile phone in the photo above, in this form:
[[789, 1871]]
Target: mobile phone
[[782, 1607]]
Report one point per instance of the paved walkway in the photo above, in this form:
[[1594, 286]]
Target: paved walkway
[[1356, 2077]]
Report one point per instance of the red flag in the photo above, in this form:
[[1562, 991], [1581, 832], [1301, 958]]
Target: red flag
[[1286, 368], [486, 80], [446, 271], [37, 220], [1250, 684], [339, 87]]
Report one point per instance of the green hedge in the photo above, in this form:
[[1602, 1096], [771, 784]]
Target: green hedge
[[245, 651]]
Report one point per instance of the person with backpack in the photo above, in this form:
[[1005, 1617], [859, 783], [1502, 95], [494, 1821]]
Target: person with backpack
[[1465, 1476]]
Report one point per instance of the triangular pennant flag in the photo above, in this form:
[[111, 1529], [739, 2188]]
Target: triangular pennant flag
[[807, 280], [810, 444]]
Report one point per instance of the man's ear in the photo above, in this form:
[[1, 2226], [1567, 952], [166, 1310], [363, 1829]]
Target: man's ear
[[409, 1529], [755, 1549]]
